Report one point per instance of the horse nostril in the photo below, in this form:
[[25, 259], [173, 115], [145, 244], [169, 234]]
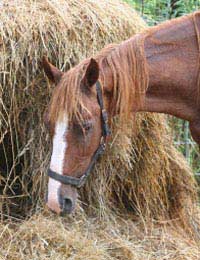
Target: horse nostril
[[67, 199], [67, 204]]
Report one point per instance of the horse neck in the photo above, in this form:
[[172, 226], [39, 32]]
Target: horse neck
[[124, 76], [172, 54]]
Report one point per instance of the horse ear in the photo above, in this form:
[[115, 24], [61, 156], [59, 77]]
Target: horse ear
[[53, 74], [92, 74]]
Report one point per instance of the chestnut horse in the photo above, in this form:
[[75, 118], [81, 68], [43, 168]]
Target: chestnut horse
[[155, 71]]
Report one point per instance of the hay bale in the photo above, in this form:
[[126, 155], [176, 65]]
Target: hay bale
[[142, 173]]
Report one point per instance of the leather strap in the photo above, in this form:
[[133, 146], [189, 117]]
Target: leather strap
[[79, 182], [104, 115]]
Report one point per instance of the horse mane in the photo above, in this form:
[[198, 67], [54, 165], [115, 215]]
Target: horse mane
[[128, 66], [130, 77]]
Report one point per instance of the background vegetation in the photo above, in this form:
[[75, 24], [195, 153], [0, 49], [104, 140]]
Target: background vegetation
[[154, 12]]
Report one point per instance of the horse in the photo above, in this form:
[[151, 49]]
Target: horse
[[157, 70]]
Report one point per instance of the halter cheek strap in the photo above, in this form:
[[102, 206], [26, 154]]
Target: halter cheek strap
[[79, 182]]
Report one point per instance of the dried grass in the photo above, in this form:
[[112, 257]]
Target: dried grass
[[45, 236], [142, 173], [141, 177]]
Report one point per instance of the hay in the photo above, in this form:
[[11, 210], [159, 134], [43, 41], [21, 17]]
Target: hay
[[142, 172], [45, 236], [141, 176]]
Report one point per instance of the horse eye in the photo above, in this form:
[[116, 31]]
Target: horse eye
[[87, 126], [81, 128]]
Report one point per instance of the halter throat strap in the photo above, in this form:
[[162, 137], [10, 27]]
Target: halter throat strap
[[79, 182]]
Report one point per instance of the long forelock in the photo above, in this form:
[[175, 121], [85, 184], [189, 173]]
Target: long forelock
[[128, 66], [67, 98]]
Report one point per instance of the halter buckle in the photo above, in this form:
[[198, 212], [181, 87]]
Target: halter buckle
[[82, 181]]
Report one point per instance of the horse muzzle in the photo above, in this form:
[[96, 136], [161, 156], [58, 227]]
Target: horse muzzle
[[61, 199]]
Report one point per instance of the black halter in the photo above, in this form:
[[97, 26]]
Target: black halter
[[78, 182]]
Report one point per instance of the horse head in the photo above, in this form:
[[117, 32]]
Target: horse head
[[78, 125]]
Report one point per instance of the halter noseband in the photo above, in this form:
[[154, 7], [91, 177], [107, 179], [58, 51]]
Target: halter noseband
[[78, 182]]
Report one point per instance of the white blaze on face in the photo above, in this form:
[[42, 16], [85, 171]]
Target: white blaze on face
[[57, 162], [59, 146]]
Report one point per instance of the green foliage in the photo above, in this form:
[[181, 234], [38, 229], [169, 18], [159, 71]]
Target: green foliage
[[184, 142], [156, 11]]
